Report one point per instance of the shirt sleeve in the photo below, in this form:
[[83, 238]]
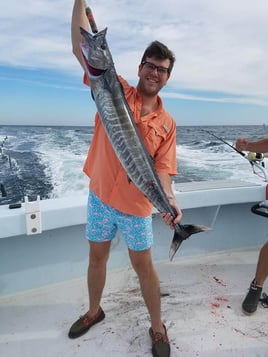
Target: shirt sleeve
[[86, 80], [165, 159]]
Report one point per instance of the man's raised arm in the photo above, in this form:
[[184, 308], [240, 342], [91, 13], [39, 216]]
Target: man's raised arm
[[79, 19]]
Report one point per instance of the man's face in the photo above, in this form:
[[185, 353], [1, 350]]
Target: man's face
[[153, 74]]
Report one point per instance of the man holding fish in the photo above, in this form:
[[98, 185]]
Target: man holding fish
[[114, 202]]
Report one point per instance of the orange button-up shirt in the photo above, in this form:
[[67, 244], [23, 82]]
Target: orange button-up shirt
[[108, 179]]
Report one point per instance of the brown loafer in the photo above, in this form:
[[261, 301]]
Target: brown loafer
[[83, 324], [160, 343]]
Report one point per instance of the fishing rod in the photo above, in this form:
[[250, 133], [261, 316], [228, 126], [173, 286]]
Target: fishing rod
[[254, 159], [225, 142]]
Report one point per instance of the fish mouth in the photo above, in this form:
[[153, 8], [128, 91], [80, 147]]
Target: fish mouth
[[94, 52], [92, 71]]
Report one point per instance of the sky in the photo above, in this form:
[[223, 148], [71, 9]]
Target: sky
[[220, 75]]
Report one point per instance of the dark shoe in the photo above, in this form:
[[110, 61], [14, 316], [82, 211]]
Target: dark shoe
[[264, 300], [83, 324], [250, 304], [160, 343]]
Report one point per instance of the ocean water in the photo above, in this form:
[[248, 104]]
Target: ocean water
[[48, 161]]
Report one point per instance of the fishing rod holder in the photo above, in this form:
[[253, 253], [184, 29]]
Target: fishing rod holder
[[33, 216]]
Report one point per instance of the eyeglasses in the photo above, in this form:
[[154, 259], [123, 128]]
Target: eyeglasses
[[151, 67]]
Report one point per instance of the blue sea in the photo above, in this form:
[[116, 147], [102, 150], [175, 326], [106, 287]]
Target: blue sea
[[48, 161]]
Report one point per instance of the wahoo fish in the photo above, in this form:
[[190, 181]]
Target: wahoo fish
[[120, 127]]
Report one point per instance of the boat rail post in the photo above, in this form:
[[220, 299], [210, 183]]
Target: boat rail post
[[33, 216]]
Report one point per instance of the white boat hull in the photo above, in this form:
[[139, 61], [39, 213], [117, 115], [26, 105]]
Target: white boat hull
[[43, 280], [60, 252]]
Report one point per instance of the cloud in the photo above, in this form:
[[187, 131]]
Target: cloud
[[219, 46], [222, 99]]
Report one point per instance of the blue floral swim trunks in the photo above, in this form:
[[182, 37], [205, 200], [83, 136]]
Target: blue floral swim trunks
[[103, 221]]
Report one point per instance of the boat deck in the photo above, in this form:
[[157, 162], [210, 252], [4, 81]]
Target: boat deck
[[201, 309]]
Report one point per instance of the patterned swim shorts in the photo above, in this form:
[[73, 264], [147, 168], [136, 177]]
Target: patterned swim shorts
[[103, 221]]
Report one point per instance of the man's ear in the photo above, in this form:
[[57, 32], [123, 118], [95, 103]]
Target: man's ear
[[139, 69]]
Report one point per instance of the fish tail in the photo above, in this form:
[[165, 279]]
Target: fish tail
[[183, 233]]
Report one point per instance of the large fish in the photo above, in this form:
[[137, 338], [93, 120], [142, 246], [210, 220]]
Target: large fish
[[121, 130]]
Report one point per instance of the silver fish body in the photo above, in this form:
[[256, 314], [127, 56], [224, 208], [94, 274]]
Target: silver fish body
[[121, 130]]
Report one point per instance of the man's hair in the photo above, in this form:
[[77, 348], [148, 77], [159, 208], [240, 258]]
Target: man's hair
[[159, 51]]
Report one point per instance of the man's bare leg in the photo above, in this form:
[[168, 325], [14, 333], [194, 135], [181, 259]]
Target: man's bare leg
[[149, 283], [96, 277], [262, 266]]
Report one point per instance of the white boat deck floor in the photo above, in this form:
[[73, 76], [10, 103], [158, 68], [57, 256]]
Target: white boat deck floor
[[202, 312]]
